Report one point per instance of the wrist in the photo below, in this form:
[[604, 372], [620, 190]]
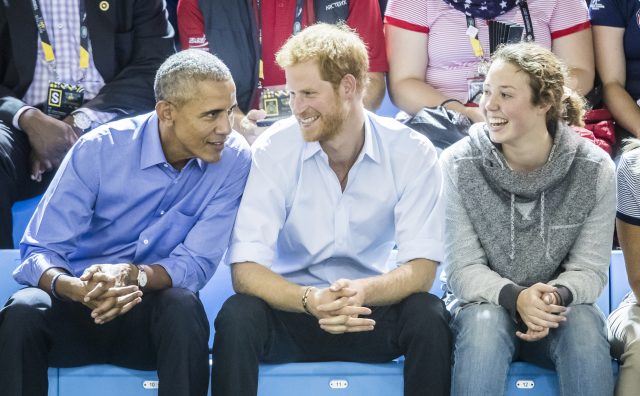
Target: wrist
[[67, 287], [307, 295], [27, 118]]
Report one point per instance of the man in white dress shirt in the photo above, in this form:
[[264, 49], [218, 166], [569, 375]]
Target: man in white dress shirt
[[330, 192]]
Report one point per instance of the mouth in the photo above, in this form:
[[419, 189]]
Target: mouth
[[496, 122], [217, 144], [306, 121]]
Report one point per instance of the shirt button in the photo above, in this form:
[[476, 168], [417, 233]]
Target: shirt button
[[59, 26], [161, 212], [146, 241], [166, 165]]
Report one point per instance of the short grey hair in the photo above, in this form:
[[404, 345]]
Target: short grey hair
[[176, 77]]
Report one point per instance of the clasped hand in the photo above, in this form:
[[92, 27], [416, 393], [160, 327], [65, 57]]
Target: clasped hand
[[339, 308], [106, 290], [538, 307]]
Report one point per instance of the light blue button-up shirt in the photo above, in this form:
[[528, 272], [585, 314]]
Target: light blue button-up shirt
[[295, 219], [116, 199]]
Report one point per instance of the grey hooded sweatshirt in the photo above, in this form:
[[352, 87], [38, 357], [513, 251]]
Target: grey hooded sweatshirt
[[507, 230]]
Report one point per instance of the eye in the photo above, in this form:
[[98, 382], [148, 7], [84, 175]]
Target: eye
[[504, 95]]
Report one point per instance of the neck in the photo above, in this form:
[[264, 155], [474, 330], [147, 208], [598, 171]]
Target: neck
[[173, 155], [531, 153], [343, 148]]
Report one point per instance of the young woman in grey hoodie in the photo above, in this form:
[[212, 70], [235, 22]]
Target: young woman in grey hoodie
[[529, 225]]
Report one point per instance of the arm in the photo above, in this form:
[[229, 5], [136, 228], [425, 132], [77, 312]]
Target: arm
[[468, 274], [407, 68], [375, 91], [586, 267], [576, 51], [191, 25], [610, 60], [412, 277]]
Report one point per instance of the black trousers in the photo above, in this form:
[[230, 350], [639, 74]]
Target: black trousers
[[168, 331], [15, 178], [248, 331]]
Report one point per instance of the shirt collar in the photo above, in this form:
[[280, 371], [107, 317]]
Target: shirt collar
[[370, 148], [151, 151]]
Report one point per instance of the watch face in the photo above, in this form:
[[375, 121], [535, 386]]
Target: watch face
[[82, 121], [142, 277]]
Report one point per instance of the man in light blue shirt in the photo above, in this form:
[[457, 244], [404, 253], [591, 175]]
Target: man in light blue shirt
[[133, 225], [330, 192]]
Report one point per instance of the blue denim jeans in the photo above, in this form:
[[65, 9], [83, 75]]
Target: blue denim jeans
[[486, 344]]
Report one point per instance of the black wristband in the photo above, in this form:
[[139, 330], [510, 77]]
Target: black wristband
[[447, 101]]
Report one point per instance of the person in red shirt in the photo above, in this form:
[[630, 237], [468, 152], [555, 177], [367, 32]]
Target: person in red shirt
[[247, 34]]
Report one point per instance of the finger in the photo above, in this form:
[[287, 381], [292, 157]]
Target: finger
[[104, 278], [107, 316], [122, 291], [347, 321], [351, 310], [548, 321], [357, 329], [334, 329], [104, 306], [338, 285], [333, 320], [334, 305], [548, 298], [533, 326], [88, 272], [118, 308], [96, 292], [36, 171], [123, 300], [127, 307], [544, 288]]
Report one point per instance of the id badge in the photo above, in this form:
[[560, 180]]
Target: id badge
[[474, 89], [62, 99], [275, 103]]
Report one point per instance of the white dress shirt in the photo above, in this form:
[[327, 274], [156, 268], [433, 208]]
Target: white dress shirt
[[295, 219]]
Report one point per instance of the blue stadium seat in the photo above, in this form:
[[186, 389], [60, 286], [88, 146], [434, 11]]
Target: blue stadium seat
[[323, 378], [22, 212], [531, 380], [106, 380]]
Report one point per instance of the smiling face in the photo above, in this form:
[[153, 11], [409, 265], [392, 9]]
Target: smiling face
[[317, 106], [198, 128], [507, 105]]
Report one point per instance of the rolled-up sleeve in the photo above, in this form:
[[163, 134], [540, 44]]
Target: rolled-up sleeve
[[262, 213], [419, 213]]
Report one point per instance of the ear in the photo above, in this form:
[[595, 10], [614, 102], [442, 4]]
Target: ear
[[349, 85], [543, 108], [164, 110]]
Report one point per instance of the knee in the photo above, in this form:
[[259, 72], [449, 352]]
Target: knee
[[25, 311], [483, 328], [425, 314], [180, 308], [583, 333], [242, 313]]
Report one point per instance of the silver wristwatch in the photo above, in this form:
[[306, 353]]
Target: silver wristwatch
[[81, 121], [142, 277]]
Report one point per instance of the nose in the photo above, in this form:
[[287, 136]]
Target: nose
[[225, 125], [296, 102], [490, 102]]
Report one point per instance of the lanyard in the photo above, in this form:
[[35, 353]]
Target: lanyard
[[297, 26], [472, 31], [47, 48]]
